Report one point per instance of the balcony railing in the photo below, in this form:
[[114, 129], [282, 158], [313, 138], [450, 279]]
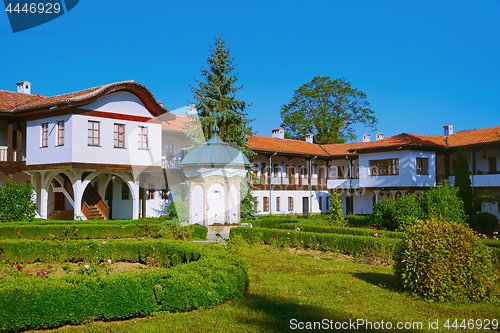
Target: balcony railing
[[481, 180], [4, 155], [170, 163], [294, 181]]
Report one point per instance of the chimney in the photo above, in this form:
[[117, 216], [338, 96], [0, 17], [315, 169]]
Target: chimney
[[379, 136], [279, 133], [191, 109], [366, 137], [448, 130], [310, 137], [24, 87]]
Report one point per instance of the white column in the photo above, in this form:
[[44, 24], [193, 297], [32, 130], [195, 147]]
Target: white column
[[44, 196], [135, 198], [78, 189], [376, 195]]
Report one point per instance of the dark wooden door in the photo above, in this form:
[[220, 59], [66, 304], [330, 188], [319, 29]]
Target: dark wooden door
[[305, 205], [492, 162], [59, 201]]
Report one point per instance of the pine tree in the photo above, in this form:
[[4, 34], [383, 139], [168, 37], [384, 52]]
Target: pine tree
[[462, 181], [217, 105]]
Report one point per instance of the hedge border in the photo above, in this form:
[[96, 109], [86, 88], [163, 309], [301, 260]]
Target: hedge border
[[209, 277], [342, 230]]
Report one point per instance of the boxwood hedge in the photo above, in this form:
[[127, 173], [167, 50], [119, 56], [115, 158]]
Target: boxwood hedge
[[200, 275]]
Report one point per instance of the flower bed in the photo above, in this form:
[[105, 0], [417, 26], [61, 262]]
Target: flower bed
[[189, 276]]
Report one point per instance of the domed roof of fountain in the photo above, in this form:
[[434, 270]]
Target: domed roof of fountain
[[215, 153]]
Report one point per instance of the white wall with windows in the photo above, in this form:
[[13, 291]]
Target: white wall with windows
[[397, 169], [48, 142]]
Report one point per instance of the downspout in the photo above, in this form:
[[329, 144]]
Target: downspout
[[310, 181], [270, 180]]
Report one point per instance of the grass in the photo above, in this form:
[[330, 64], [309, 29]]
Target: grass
[[286, 284]]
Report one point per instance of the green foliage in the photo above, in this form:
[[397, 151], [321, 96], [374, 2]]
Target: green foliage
[[383, 214], [441, 201], [17, 202], [462, 181], [336, 210], [438, 260], [178, 208], [358, 220], [211, 278], [218, 109], [352, 244], [327, 108], [444, 202], [341, 230], [407, 210], [484, 223]]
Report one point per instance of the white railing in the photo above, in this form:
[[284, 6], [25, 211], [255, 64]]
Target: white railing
[[170, 163], [481, 180], [4, 155]]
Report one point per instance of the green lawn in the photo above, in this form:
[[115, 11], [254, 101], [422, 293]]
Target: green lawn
[[308, 286]]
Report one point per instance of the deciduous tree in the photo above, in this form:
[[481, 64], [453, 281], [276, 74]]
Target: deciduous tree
[[328, 109]]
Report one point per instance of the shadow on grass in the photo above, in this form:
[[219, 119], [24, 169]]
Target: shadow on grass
[[386, 281], [277, 315]]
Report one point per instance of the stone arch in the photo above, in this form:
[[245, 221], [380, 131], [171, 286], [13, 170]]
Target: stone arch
[[233, 204], [216, 194], [197, 210]]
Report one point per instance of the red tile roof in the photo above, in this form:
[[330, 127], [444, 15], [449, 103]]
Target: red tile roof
[[264, 143], [175, 125], [14, 102], [475, 136], [462, 138]]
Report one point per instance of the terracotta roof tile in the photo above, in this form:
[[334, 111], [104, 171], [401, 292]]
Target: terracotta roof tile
[[175, 125], [264, 143], [10, 100], [405, 139], [343, 149], [475, 136], [14, 102]]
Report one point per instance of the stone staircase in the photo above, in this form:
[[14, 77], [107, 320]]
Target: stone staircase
[[95, 213], [61, 215]]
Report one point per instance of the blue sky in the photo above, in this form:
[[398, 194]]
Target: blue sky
[[422, 64]]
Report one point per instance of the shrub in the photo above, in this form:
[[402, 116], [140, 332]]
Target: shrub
[[336, 210], [441, 260], [485, 223], [16, 202], [358, 220], [383, 215], [407, 211], [444, 202]]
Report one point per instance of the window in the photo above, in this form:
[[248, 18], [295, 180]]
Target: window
[[164, 194], [94, 133], [422, 166], [143, 137], [266, 204], [169, 152], [385, 167], [45, 134], [119, 136], [151, 191], [278, 204], [125, 192], [320, 201], [290, 204], [327, 203], [60, 133]]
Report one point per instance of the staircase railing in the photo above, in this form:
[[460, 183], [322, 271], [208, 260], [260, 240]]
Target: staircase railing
[[92, 198]]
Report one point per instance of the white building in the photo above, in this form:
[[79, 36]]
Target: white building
[[114, 151]]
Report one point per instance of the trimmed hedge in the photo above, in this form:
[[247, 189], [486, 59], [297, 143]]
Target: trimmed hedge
[[345, 243], [352, 244], [209, 277], [67, 230], [342, 230], [271, 223]]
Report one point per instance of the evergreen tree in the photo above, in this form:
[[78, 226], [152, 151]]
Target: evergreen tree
[[462, 181], [217, 104]]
